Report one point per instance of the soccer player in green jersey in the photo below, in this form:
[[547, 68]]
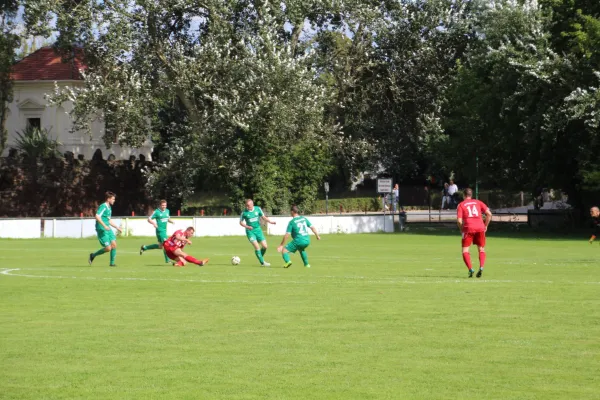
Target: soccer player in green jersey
[[298, 228], [250, 220], [106, 236], [159, 220]]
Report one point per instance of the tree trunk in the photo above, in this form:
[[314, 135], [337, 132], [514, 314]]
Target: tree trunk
[[3, 117], [296, 35]]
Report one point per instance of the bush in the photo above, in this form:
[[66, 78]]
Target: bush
[[35, 143], [358, 204], [209, 211]]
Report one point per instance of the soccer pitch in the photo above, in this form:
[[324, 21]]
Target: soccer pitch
[[376, 317]]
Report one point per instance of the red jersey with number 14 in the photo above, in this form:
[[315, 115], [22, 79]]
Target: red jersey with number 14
[[471, 211], [172, 242]]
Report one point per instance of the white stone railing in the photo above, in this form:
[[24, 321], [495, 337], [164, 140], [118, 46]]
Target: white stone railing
[[30, 228]]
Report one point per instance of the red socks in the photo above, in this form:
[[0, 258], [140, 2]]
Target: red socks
[[467, 260], [193, 260], [481, 259]]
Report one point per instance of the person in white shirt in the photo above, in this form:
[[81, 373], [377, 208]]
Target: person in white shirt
[[395, 198], [453, 192]]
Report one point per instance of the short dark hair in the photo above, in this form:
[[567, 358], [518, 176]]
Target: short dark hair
[[108, 195], [190, 228], [469, 192], [295, 209]]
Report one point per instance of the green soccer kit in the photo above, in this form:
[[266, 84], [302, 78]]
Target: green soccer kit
[[298, 228], [104, 236], [252, 219], [161, 218]]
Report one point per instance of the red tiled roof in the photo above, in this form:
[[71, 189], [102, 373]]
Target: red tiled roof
[[46, 65]]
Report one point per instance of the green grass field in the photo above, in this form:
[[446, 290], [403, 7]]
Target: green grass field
[[376, 317]]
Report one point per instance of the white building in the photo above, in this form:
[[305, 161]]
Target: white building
[[34, 77]]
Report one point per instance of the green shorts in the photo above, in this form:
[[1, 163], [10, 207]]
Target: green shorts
[[161, 236], [255, 235], [297, 245], [105, 237]]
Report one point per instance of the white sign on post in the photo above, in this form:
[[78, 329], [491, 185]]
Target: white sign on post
[[384, 185]]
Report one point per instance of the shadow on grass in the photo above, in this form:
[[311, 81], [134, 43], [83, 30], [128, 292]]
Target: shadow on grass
[[498, 229]]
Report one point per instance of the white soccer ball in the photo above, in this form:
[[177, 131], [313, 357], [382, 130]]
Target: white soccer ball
[[235, 260]]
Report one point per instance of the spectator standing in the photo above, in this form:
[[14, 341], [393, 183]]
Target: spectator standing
[[446, 199], [453, 193], [395, 198]]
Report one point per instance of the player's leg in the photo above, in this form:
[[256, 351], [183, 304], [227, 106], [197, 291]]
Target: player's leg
[[162, 238], [154, 246], [260, 238], [164, 253], [254, 242], [480, 242], [180, 262], [145, 247], [104, 241], [170, 253], [113, 250], [183, 257], [467, 240], [285, 253], [303, 254], [194, 260], [263, 247], [178, 256]]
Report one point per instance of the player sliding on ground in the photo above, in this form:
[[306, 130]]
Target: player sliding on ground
[[105, 235], [159, 220], [298, 228], [250, 220], [595, 214], [468, 214], [174, 245]]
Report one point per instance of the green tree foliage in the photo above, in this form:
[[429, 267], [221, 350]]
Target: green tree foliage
[[266, 99], [526, 110], [9, 41], [36, 144], [249, 99]]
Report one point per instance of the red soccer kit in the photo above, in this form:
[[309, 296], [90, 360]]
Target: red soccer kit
[[172, 244], [471, 212]]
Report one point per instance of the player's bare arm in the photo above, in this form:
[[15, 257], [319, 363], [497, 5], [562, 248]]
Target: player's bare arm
[[242, 223], [99, 219], [266, 219], [114, 225], [459, 222], [151, 221], [171, 221], [312, 228], [182, 238], [488, 218], [285, 238]]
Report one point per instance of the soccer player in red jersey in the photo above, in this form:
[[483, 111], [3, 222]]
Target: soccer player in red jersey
[[174, 248], [595, 214], [468, 214]]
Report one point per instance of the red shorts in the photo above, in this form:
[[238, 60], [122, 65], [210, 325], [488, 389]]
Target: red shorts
[[477, 238], [170, 252]]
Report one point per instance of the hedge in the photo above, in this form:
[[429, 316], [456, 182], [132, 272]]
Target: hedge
[[358, 204]]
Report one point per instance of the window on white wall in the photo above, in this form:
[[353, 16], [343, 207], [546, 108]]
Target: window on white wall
[[34, 123]]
